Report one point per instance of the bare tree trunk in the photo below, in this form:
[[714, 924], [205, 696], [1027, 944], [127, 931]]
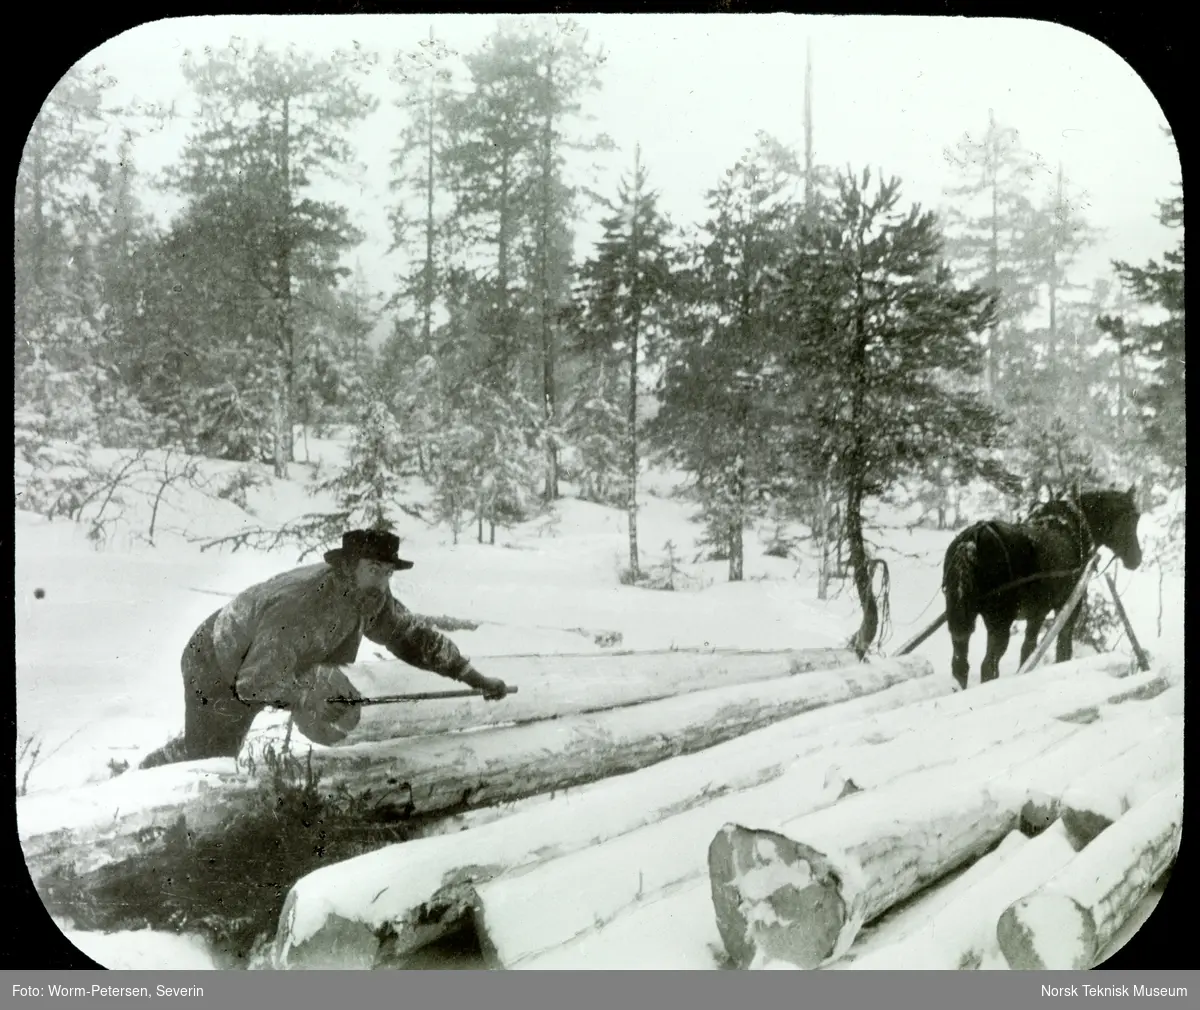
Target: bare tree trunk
[[634, 334], [856, 479]]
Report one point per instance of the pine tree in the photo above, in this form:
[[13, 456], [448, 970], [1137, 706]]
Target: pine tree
[[716, 420], [1162, 401], [987, 228], [623, 294], [270, 123], [426, 79], [877, 326]]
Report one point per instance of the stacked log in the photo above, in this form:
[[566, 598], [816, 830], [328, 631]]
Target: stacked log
[[71, 834], [425, 885], [800, 892], [523, 913], [1068, 921], [1098, 799], [962, 933], [421, 889], [555, 686]]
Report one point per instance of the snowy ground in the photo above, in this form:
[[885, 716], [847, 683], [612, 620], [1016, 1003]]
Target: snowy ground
[[97, 654]]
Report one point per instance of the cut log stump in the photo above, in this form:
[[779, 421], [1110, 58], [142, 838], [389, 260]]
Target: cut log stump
[[1065, 923]]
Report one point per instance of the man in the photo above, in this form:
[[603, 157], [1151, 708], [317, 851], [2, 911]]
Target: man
[[280, 643]]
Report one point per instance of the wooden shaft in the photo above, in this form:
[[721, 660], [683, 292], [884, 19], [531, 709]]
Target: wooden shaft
[[1063, 616], [1143, 661], [917, 639], [389, 699]]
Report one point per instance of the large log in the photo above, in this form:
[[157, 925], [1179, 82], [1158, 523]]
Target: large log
[[427, 777], [1098, 798], [418, 891], [801, 892], [1067, 921], [554, 686], [911, 916], [961, 933], [531, 909], [440, 774]]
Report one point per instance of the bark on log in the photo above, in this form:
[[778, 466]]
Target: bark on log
[[555, 686], [911, 916], [961, 933], [420, 890], [1100, 797], [800, 893], [77, 832], [532, 909], [1070, 919]]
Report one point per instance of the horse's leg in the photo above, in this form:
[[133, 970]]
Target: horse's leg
[[998, 632], [1033, 628], [959, 665]]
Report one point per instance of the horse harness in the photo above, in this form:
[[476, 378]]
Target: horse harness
[[1082, 532]]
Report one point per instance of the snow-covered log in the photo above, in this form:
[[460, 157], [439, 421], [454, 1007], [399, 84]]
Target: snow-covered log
[[419, 890], [1098, 798], [554, 686], [72, 833], [674, 932], [136, 815], [1041, 787], [532, 909], [800, 892], [1065, 923], [911, 916], [431, 886], [439, 774], [959, 935]]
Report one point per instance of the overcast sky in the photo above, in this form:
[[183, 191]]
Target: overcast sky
[[693, 89]]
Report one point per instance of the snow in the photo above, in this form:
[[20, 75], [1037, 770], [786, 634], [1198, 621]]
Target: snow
[[674, 932], [97, 675], [142, 949]]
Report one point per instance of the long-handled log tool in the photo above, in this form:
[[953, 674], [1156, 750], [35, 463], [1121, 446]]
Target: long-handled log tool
[[1142, 660], [389, 699]]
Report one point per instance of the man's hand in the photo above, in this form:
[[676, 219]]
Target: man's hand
[[492, 687]]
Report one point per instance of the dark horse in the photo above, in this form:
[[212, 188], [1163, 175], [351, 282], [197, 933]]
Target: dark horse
[[1010, 571]]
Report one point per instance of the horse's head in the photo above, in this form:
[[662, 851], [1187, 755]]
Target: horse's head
[[1113, 517]]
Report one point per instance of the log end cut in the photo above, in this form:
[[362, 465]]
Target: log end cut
[[1047, 931], [775, 900], [1084, 824]]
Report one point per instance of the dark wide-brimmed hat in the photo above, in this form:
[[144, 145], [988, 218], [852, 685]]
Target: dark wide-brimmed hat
[[369, 545]]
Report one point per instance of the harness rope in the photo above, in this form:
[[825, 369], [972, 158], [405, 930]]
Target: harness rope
[[1083, 534]]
